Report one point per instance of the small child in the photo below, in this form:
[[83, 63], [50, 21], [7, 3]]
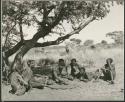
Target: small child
[[83, 75], [109, 71], [97, 75]]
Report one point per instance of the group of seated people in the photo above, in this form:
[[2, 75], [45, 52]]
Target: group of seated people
[[75, 71], [60, 74], [70, 72]]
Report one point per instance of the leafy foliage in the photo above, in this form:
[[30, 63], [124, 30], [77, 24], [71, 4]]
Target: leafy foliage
[[88, 43], [117, 36], [103, 42], [77, 41], [48, 15]]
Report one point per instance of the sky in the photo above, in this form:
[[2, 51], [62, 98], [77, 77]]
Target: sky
[[96, 30]]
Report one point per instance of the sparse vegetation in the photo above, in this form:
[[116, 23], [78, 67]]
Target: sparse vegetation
[[87, 57]]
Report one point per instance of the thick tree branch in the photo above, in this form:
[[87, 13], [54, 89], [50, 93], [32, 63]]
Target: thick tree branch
[[44, 10], [63, 38], [20, 23], [14, 49], [45, 30], [60, 15], [58, 33], [50, 9], [47, 10], [21, 30]]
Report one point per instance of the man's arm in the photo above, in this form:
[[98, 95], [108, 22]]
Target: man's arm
[[113, 67], [22, 80], [77, 69]]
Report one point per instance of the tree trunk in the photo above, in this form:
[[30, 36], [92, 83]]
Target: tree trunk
[[18, 61], [22, 51], [18, 64]]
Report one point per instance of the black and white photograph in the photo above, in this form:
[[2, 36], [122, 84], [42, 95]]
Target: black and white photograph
[[62, 50]]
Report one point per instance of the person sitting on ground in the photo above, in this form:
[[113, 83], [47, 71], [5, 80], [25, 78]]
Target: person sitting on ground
[[75, 69], [97, 75], [109, 71], [83, 75], [18, 84], [60, 72]]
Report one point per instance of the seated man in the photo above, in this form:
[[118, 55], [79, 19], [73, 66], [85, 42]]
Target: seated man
[[60, 72], [18, 84], [109, 71], [77, 71]]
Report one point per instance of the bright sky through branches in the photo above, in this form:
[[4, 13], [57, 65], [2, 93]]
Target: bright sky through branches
[[95, 30]]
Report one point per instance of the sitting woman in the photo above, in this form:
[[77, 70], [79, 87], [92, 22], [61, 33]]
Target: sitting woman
[[109, 71]]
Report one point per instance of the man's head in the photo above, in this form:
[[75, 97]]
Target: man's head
[[61, 62], [82, 70], [73, 61], [109, 60]]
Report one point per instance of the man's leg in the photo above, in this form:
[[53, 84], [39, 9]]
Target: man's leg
[[13, 90], [105, 74], [37, 83], [21, 91]]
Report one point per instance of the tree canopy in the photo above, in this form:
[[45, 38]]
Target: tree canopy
[[48, 16]]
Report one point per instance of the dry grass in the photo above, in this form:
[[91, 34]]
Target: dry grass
[[87, 57]]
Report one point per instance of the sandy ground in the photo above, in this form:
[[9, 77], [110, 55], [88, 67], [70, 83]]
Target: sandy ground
[[85, 91]]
